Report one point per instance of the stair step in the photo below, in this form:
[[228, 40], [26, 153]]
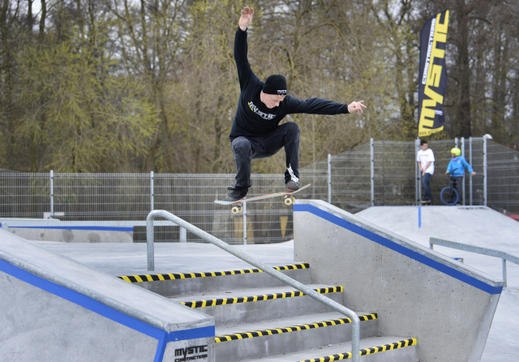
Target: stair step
[[253, 305], [251, 295], [265, 338], [173, 284], [372, 349], [176, 276]]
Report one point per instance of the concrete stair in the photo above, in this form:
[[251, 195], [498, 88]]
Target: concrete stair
[[273, 321]]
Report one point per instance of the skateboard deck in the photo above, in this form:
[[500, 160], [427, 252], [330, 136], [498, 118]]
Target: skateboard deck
[[289, 199]]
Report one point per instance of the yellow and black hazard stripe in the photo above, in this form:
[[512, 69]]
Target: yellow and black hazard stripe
[[364, 352], [175, 276], [301, 327], [256, 298]]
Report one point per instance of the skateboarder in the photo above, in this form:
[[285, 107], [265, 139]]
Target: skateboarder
[[256, 132]]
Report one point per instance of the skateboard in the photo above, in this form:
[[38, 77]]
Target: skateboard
[[289, 199]]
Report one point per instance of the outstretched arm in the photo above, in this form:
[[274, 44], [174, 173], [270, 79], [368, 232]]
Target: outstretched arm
[[246, 18]]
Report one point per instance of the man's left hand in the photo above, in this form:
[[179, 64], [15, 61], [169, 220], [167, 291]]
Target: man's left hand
[[356, 107]]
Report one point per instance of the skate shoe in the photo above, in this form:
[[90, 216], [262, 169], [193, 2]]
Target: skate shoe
[[292, 185], [236, 194]]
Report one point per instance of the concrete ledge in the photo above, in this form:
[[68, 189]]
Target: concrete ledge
[[77, 231], [416, 291], [54, 308]]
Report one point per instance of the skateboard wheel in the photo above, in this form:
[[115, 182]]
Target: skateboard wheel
[[289, 201], [236, 209]]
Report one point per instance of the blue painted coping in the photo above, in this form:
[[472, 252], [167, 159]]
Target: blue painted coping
[[470, 280], [162, 336]]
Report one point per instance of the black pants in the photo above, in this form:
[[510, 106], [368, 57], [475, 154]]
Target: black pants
[[427, 186], [459, 188], [246, 149]]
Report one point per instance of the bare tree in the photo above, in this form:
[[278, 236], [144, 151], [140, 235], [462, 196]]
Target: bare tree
[[149, 39]]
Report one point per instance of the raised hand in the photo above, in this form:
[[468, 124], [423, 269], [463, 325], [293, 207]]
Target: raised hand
[[246, 18]]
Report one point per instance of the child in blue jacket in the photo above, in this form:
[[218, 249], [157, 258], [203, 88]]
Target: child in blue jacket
[[457, 167]]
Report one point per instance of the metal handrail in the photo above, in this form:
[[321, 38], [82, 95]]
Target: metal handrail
[[479, 250], [355, 341]]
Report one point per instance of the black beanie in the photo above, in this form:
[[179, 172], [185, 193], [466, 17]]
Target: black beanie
[[275, 84]]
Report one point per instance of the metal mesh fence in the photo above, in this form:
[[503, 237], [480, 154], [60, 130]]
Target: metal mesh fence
[[24, 194], [503, 178], [377, 173], [473, 152]]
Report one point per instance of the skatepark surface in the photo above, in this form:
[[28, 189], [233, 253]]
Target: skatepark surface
[[479, 226], [473, 225]]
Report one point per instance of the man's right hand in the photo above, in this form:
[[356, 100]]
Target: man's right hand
[[246, 18]]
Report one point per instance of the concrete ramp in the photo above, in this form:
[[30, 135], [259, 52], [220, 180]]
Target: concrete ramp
[[473, 225], [446, 305], [56, 309]]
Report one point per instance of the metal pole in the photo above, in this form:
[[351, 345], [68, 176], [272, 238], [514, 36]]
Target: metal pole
[[51, 216], [463, 155], [183, 235], [150, 241], [470, 155], [355, 340], [372, 166], [485, 171], [244, 223], [418, 184], [329, 178], [504, 271], [152, 196]]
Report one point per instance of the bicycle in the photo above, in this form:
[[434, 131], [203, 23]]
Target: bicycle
[[449, 194]]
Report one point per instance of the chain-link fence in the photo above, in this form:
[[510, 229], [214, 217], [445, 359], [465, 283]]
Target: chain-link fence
[[374, 174]]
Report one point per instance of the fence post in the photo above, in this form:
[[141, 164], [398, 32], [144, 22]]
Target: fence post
[[244, 223], [152, 200], [51, 216], [470, 162], [329, 178], [485, 170], [372, 166], [463, 155]]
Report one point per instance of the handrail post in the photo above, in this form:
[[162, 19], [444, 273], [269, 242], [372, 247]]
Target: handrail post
[[504, 270], [355, 322], [479, 250], [150, 240]]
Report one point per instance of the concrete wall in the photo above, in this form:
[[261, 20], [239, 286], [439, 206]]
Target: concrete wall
[[55, 309], [416, 291], [76, 231]]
